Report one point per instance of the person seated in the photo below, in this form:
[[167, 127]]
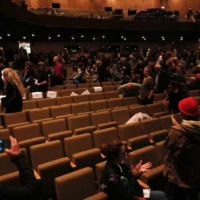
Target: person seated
[[192, 84], [80, 76], [30, 188], [119, 181]]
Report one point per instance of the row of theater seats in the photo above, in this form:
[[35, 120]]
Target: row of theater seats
[[68, 153]]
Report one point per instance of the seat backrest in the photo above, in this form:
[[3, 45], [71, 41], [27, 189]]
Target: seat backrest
[[117, 102], [138, 142], [166, 121], [131, 130], [70, 86], [4, 134], [159, 97], [64, 100], [42, 103], [27, 132], [83, 179], [100, 118], [105, 136], [81, 98], [79, 91], [121, 116], [83, 85], [78, 122], [28, 105], [154, 108], [77, 144], [66, 92], [111, 95], [146, 154], [80, 107], [60, 110], [53, 126], [98, 105], [106, 84], [130, 101], [57, 87], [109, 88], [99, 171], [150, 125], [39, 114], [161, 151], [194, 93], [14, 118], [46, 152], [97, 96], [36, 95], [136, 109]]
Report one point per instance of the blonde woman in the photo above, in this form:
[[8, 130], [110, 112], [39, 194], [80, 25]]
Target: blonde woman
[[14, 91]]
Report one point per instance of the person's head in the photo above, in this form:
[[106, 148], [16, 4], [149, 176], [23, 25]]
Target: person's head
[[55, 59], [189, 109], [98, 63], [41, 66], [28, 65], [10, 76], [129, 85], [123, 60], [115, 151], [192, 79], [146, 72]]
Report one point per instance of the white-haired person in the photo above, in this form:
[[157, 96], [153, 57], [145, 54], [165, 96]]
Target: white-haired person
[[14, 91]]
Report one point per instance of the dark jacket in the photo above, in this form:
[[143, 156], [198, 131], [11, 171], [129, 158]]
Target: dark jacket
[[30, 187], [163, 81], [13, 100], [182, 163], [119, 183]]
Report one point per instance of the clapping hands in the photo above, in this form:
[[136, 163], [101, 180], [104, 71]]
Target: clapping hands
[[139, 168]]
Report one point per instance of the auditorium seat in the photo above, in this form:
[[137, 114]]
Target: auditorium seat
[[105, 136], [194, 93], [58, 126], [79, 91], [66, 92], [159, 135], [136, 109], [15, 119], [83, 179], [138, 142], [28, 105], [88, 158], [57, 87], [97, 96], [63, 111], [154, 177], [128, 101], [159, 97], [28, 135], [64, 100], [121, 115], [99, 167], [117, 102], [49, 161], [40, 115], [70, 86], [83, 85], [155, 110], [42, 103], [166, 122], [31, 96], [111, 95], [81, 98], [109, 88], [95, 85], [161, 151], [102, 120], [4, 134], [128, 131], [80, 108], [106, 84], [98, 196], [150, 125], [77, 144], [80, 124], [99, 105]]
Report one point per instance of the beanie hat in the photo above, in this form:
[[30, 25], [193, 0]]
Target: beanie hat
[[189, 106]]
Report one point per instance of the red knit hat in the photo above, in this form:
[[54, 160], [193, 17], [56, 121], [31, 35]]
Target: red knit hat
[[189, 106], [197, 75]]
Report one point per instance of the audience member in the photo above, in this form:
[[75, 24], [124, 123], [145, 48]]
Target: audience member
[[14, 91], [2, 67], [182, 164], [129, 90], [119, 180], [30, 188]]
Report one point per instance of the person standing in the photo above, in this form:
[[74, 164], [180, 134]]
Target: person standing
[[182, 163], [2, 67], [14, 91], [147, 89]]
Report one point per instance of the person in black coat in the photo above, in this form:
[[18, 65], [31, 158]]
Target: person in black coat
[[14, 91], [30, 188], [119, 181]]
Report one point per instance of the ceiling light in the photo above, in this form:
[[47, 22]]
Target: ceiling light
[[58, 35], [122, 36], [145, 39], [49, 38], [33, 35], [24, 37], [103, 36], [82, 36], [94, 38], [0, 38], [142, 37], [8, 34], [72, 38]]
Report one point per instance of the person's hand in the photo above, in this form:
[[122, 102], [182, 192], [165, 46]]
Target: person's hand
[[174, 120], [14, 149], [38, 84], [139, 168]]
